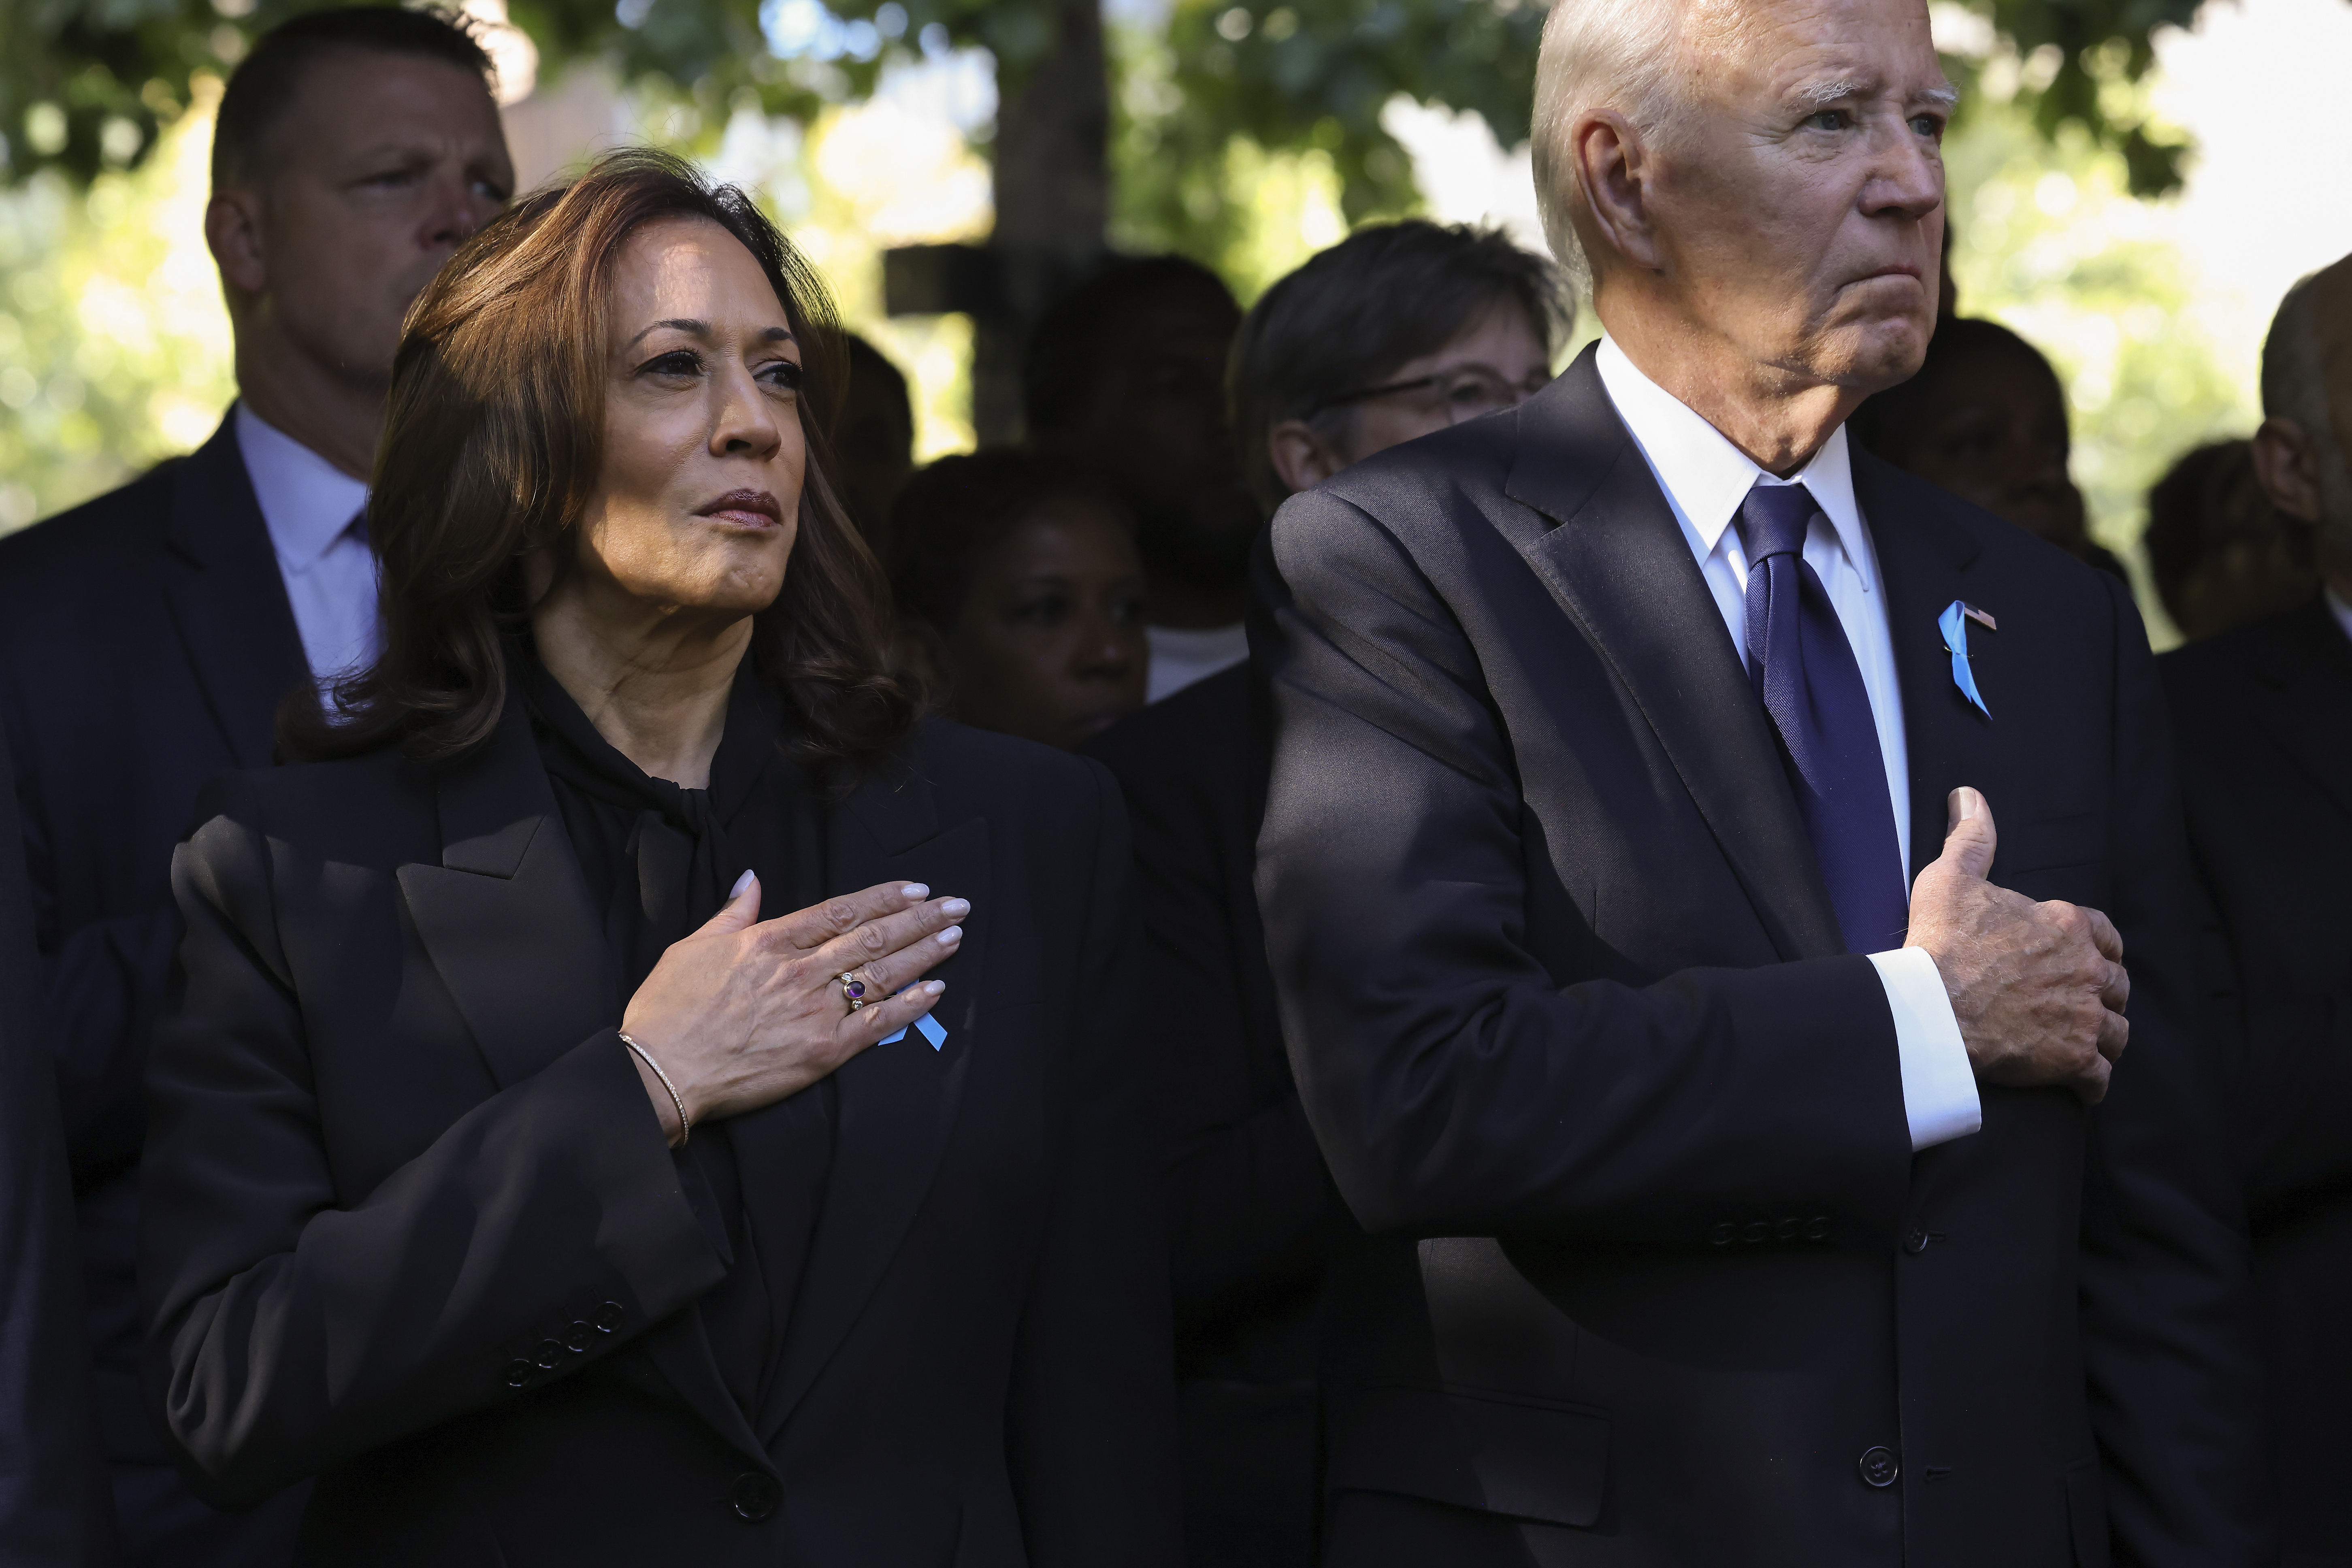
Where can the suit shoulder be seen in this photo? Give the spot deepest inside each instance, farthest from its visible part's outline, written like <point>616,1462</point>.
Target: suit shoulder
<point>2214,670</point>
<point>95,531</point>
<point>1179,734</point>
<point>993,773</point>
<point>316,806</point>
<point>1462,462</point>
<point>2017,555</point>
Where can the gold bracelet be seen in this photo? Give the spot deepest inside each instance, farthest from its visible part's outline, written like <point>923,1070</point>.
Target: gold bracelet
<point>685,1127</point>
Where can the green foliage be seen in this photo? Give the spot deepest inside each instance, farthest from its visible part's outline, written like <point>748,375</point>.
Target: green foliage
<point>2095,46</point>
<point>1315,74</point>
<point>114,346</point>
<point>87,85</point>
<point>2049,241</point>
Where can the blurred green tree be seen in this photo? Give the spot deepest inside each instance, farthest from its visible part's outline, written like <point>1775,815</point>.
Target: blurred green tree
<point>87,85</point>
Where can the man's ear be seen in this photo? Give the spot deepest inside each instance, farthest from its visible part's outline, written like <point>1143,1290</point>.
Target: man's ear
<point>1615,169</point>
<point>1301,456</point>
<point>233,230</point>
<point>2287,465</point>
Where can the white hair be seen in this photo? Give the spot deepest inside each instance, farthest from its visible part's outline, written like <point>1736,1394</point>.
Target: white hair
<point>1597,54</point>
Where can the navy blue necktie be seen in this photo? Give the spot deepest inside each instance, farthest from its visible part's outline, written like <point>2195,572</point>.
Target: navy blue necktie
<point>1804,669</point>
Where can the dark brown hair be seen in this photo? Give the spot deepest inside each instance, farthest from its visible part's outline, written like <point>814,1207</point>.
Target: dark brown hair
<point>1349,316</point>
<point>266,83</point>
<point>492,443</point>
<point>953,512</point>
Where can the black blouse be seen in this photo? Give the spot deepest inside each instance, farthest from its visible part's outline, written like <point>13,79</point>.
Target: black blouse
<point>659,861</point>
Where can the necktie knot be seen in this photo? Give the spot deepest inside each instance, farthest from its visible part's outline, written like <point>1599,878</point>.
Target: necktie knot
<point>1772,521</point>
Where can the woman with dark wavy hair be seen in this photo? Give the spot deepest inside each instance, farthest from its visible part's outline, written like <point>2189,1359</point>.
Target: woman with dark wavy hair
<point>585,1137</point>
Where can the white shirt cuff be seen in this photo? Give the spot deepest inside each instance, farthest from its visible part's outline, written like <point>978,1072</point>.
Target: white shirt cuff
<point>1939,1087</point>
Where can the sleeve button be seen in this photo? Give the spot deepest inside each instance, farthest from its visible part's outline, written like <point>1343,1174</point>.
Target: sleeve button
<point>517,1373</point>
<point>577,1338</point>
<point>610,1317</point>
<point>550,1355</point>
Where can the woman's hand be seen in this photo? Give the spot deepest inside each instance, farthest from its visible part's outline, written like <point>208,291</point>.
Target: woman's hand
<point>745,1012</point>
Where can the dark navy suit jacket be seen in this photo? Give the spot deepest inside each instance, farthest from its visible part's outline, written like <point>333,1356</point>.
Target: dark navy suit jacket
<point>1660,1278</point>
<point>2265,720</point>
<point>53,1493</point>
<point>146,643</point>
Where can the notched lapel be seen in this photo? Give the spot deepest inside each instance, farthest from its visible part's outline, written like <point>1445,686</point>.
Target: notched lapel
<point>227,598</point>
<point>1620,566</point>
<point>506,916</point>
<point>897,1102</point>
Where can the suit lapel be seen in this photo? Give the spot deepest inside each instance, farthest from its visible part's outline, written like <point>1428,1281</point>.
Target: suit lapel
<point>1925,560</point>
<point>228,599</point>
<point>507,920</point>
<point>506,915</point>
<point>1620,566</point>
<point>896,1101</point>
<point>2304,697</point>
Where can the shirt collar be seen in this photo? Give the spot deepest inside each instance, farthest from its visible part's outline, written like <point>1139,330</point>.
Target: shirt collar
<point>307,502</point>
<point>1706,477</point>
<point>2339,609</point>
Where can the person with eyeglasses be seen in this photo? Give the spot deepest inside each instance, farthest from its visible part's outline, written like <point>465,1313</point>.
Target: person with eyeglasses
<point>1399,331</point>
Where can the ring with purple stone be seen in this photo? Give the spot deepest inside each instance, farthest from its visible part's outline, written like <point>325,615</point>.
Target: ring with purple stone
<point>855,990</point>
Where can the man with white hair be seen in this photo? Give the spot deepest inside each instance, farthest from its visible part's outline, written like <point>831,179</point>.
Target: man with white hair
<point>2263,721</point>
<point>1734,1128</point>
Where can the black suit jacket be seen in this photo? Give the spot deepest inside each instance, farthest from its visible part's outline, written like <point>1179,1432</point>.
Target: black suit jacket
<point>1570,1010</point>
<point>146,643</point>
<point>53,1493</point>
<point>2263,718</point>
<point>411,1223</point>
<point>1252,1213</point>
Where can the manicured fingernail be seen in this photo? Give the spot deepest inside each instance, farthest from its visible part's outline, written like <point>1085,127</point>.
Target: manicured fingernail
<point>933,987</point>
<point>914,892</point>
<point>950,936</point>
<point>741,882</point>
<point>956,909</point>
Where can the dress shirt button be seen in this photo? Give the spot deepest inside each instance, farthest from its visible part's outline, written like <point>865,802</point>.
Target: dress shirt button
<point>1917,1242</point>
<point>550,1355</point>
<point>757,1495</point>
<point>1878,1467</point>
<point>577,1338</point>
<point>1724,1235</point>
<point>517,1373</point>
<point>610,1317</point>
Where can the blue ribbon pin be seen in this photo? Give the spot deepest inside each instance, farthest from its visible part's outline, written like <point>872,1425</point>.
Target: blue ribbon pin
<point>1954,623</point>
<point>930,1028</point>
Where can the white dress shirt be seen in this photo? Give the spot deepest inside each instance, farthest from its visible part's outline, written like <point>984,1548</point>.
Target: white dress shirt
<point>2340,610</point>
<point>1705,478</point>
<point>310,508</point>
<point>1181,657</point>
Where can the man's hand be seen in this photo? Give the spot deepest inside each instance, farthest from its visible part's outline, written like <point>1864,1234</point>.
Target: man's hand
<point>2039,989</point>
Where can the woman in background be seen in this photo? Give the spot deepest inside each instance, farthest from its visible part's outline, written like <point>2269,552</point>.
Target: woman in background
<point>1021,574</point>
<point>1986,419</point>
<point>566,1149</point>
